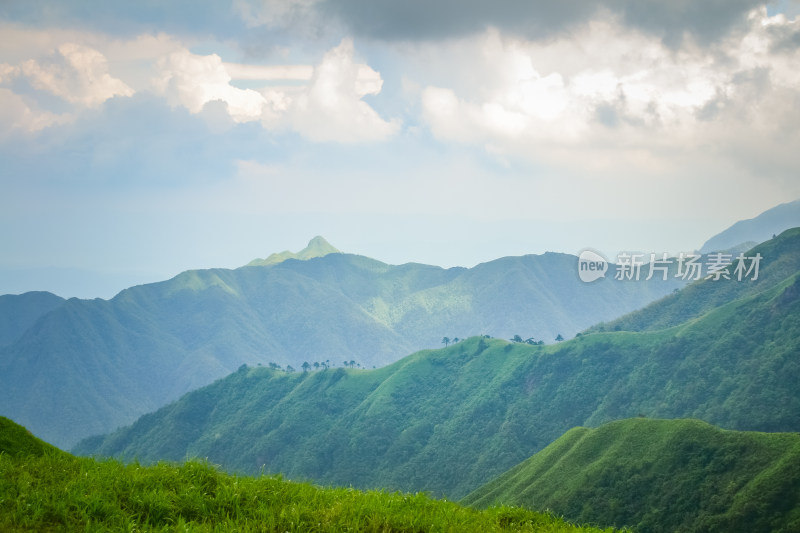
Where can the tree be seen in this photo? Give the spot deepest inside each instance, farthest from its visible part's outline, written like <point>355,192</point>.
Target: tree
<point>455,341</point>
<point>306,367</point>
<point>559,338</point>
<point>316,365</point>
<point>446,341</point>
<point>289,368</point>
<point>530,341</point>
<point>353,364</point>
<point>516,338</point>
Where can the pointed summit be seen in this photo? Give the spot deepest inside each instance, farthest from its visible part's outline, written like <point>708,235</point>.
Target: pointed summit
<point>317,247</point>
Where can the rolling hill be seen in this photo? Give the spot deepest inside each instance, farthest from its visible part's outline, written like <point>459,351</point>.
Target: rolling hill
<point>660,475</point>
<point>449,420</point>
<point>90,366</point>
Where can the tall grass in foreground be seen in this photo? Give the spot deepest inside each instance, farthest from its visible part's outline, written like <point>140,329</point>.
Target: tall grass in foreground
<point>59,492</point>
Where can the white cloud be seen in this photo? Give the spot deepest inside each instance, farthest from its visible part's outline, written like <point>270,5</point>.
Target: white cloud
<point>323,102</point>
<point>332,109</point>
<point>326,106</point>
<point>16,114</point>
<point>193,80</point>
<point>608,90</point>
<point>269,72</point>
<point>79,75</point>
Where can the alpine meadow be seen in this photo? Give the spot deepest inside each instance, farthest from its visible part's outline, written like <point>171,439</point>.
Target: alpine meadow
<point>400,266</point>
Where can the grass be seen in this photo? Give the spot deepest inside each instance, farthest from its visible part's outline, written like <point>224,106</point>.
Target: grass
<point>45,489</point>
<point>660,475</point>
<point>58,492</point>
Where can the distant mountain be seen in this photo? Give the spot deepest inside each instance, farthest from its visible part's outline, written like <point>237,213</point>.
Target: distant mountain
<point>660,475</point>
<point>449,420</point>
<point>317,247</point>
<point>755,230</point>
<point>90,366</point>
<point>18,312</point>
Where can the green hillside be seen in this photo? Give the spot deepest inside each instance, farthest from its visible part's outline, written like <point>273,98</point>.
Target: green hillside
<point>19,443</point>
<point>449,420</point>
<point>781,259</point>
<point>90,366</point>
<point>44,489</point>
<point>660,475</point>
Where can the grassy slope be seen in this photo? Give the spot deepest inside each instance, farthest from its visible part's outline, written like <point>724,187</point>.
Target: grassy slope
<point>660,475</point>
<point>17,442</point>
<point>449,420</point>
<point>44,489</point>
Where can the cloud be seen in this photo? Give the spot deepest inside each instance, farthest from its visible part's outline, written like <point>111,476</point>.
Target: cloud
<point>193,80</point>
<point>332,109</point>
<point>17,115</point>
<point>605,90</point>
<point>534,20</point>
<point>326,106</point>
<point>79,75</point>
<point>274,13</point>
<point>128,19</point>
<point>74,73</point>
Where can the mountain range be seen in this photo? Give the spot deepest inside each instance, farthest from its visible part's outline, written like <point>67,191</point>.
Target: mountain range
<point>745,234</point>
<point>449,420</point>
<point>74,368</point>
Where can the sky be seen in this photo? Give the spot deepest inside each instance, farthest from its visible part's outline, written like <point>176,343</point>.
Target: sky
<point>141,139</point>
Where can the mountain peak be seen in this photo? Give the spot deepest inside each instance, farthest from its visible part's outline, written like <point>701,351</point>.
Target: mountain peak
<point>317,247</point>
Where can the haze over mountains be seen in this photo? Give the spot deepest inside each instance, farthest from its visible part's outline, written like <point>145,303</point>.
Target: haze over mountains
<point>747,233</point>
<point>449,420</point>
<point>89,366</point>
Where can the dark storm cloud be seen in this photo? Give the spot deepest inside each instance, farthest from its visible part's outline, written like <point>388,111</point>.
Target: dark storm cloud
<point>431,20</point>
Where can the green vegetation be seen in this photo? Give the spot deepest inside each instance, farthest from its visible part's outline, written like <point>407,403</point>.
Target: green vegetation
<point>449,420</point>
<point>43,489</point>
<point>660,475</point>
<point>781,260</point>
<point>88,367</point>
<point>17,442</point>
